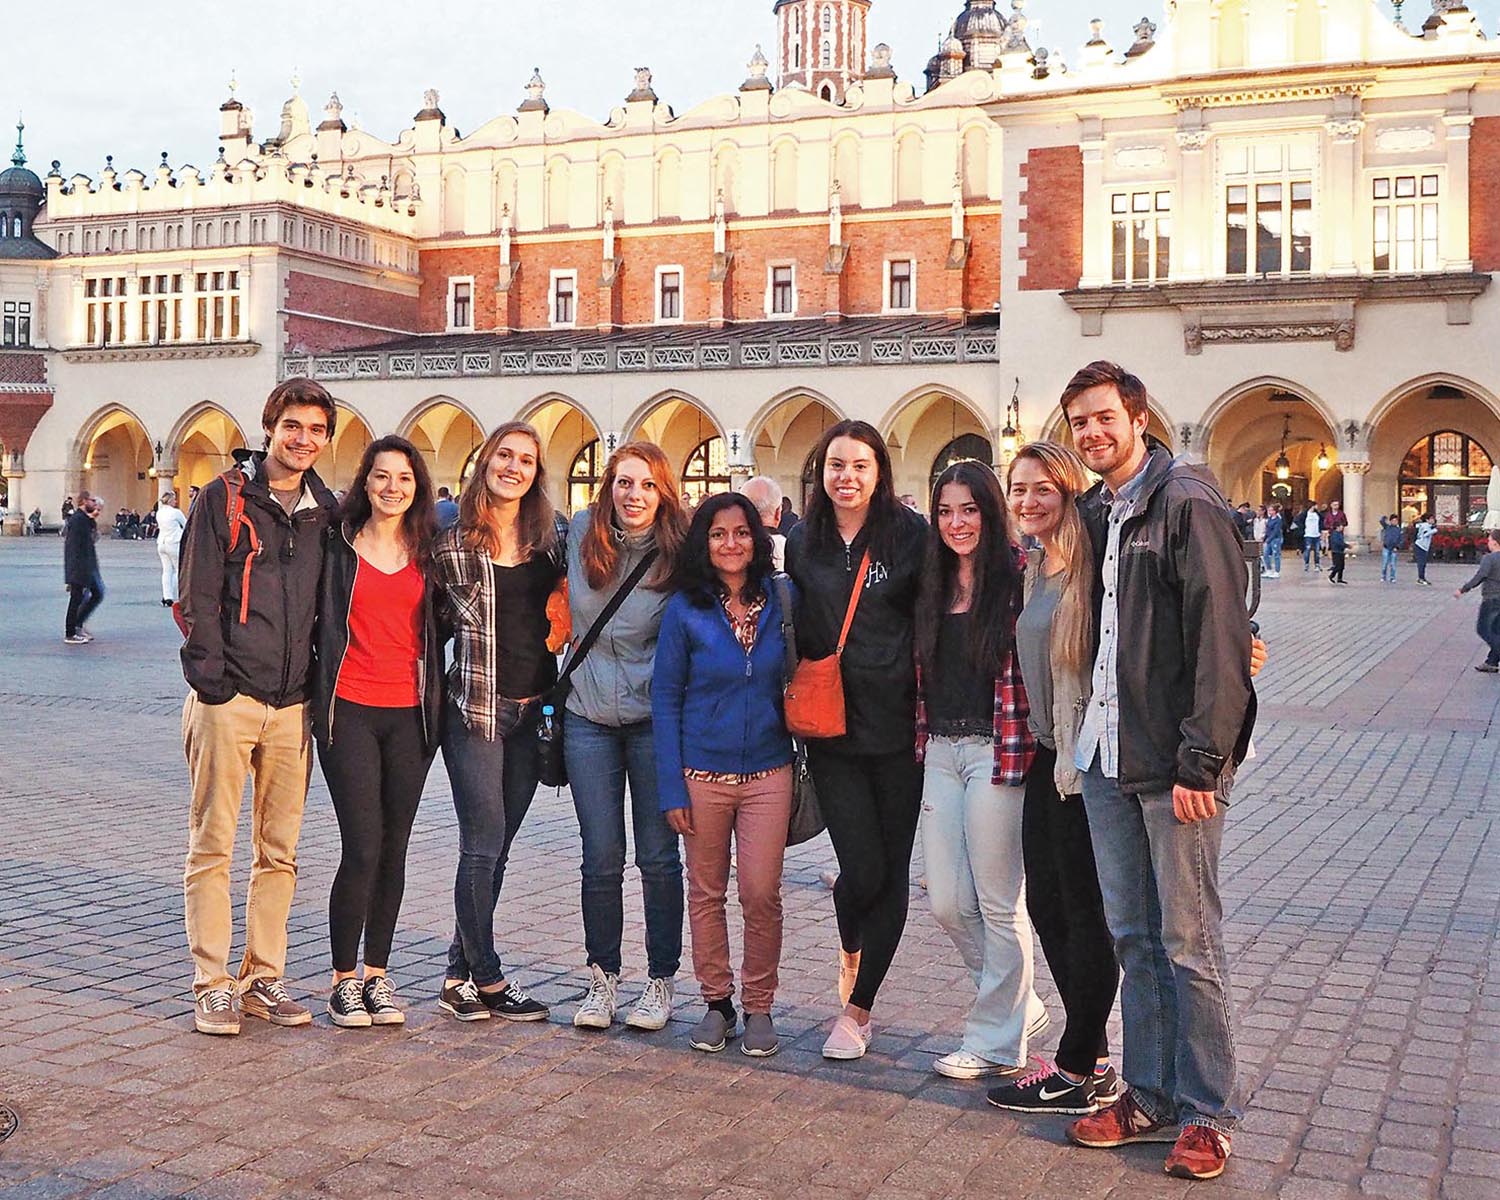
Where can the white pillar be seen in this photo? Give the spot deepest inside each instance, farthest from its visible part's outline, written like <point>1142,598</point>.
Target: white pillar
<point>1354,500</point>
<point>1192,224</point>
<point>1343,178</point>
<point>1454,211</point>
<point>15,503</point>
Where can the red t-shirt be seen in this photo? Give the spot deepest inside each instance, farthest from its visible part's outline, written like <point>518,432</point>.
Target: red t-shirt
<point>385,638</point>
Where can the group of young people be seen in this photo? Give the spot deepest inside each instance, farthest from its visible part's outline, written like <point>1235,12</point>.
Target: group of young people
<point>1065,778</point>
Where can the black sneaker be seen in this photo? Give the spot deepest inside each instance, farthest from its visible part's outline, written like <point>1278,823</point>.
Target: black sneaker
<point>380,1002</point>
<point>1046,1090</point>
<point>1487,668</point>
<point>1107,1086</point>
<point>514,1004</point>
<point>461,1000</point>
<point>346,1006</point>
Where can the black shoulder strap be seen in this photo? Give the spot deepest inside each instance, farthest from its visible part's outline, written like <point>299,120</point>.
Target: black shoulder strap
<point>780,581</point>
<point>604,618</point>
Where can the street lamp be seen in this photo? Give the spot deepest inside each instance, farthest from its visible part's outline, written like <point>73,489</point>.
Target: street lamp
<point>1322,457</point>
<point>1284,464</point>
<point>1010,436</point>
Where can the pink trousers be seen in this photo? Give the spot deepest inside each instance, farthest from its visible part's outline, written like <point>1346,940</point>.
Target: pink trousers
<point>756,814</point>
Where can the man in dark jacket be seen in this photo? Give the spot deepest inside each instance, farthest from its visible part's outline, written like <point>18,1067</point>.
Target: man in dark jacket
<point>81,569</point>
<point>252,553</point>
<point>1168,721</point>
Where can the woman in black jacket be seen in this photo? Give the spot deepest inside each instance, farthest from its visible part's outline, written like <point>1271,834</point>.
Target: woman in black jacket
<point>375,717</point>
<point>869,781</point>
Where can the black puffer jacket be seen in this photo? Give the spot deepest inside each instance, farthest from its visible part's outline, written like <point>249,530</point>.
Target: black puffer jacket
<point>879,671</point>
<point>80,554</point>
<point>335,594</point>
<point>1187,707</point>
<point>268,656</point>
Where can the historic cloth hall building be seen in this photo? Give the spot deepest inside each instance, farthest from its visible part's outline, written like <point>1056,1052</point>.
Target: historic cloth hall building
<point>1284,215</point>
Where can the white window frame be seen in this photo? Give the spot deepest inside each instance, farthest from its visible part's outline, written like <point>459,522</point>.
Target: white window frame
<point>454,282</point>
<point>1153,214</point>
<point>1417,203</point>
<point>889,305</point>
<point>552,320</point>
<point>1291,144</point>
<point>17,316</point>
<point>771,269</point>
<point>669,269</point>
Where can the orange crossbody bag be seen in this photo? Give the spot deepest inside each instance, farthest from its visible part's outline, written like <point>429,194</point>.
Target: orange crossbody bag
<point>815,694</point>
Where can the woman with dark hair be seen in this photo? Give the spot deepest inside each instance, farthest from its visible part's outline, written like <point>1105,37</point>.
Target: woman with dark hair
<point>379,696</point>
<point>636,518</point>
<point>975,747</point>
<point>858,537</point>
<point>723,758</point>
<point>499,568</point>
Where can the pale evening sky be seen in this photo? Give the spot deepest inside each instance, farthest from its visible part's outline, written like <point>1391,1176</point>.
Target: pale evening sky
<point>93,78</point>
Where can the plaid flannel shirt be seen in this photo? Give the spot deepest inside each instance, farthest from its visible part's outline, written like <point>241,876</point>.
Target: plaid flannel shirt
<point>467,584</point>
<point>1015,746</point>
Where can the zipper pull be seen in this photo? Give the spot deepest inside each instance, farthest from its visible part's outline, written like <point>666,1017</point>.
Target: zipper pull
<point>748,671</point>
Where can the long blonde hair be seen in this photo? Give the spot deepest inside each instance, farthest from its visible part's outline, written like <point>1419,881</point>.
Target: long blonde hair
<point>1073,626</point>
<point>477,523</point>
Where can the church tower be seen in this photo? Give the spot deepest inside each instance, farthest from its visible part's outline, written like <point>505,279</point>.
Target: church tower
<point>822,45</point>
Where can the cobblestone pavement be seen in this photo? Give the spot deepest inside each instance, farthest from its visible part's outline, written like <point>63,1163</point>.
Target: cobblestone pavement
<point>1362,877</point>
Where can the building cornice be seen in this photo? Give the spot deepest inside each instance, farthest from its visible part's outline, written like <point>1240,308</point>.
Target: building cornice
<point>165,353</point>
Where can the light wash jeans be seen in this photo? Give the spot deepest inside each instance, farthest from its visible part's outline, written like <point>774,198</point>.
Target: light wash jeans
<point>1387,565</point>
<point>971,840</point>
<point>1272,554</point>
<point>1175,1005</point>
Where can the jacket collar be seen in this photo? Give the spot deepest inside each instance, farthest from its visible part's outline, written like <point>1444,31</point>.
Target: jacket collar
<point>252,467</point>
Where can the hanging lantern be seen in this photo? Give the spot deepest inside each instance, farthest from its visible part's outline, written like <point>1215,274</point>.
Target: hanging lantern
<point>1322,457</point>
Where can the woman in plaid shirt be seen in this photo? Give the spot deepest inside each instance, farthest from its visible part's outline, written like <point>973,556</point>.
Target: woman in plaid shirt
<point>973,741</point>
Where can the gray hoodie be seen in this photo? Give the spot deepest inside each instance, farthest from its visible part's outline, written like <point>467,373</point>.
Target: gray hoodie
<point>613,684</point>
<point>1488,575</point>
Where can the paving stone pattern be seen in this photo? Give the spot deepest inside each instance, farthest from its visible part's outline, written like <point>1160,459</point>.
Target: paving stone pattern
<point>1361,878</point>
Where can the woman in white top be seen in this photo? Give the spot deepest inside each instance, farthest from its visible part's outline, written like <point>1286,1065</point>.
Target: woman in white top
<point>1258,525</point>
<point>170,522</point>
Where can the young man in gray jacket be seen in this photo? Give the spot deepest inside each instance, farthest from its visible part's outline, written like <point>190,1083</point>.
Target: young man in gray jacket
<point>1168,721</point>
<point>1487,578</point>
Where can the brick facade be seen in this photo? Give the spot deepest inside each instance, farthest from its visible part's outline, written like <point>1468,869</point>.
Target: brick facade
<point>376,312</point>
<point>1052,193</point>
<point>19,414</point>
<point>1484,193</point>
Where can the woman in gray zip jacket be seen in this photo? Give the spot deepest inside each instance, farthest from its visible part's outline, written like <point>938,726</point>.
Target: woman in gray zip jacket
<point>607,735</point>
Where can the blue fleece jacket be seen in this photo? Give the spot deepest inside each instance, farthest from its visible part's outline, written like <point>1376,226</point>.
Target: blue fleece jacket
<point>714,707</point>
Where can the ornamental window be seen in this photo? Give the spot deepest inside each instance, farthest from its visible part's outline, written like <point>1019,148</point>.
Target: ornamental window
<point>15,326</point>
<point>1404,224</point>
<point>669,294</point>
<point>1140,236</point>
<point>160,308</point>
<point>564,298</point>
<point>1268,208</point>
<point>216,316</point>
<point>104,310</point>
<point>901,285</point>
<point>461,303</point>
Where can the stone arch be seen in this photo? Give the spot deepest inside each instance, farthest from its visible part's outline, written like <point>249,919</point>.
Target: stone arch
<point>112,457</point>
<point>908,172</point>
<point>784,163</point>
<point>785,432</point>
<point>1438,402</point>
<point>566,428</point>
<point>340,461</point>
<point>202,444</point>
<point>1252,424</point>
<point>677,422</point>
<point>446,433</point>
<point>919,427</point>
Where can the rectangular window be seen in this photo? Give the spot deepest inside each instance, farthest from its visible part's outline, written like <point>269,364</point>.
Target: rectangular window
<point>902,295</point>
<point>105,299</point>
<point>564,299</point>
<point>783,290</point>
<point>15,328</point>
<point>1268,228</point>
<point>460,304</point>
<point>216,313</point>
<point>1140,236</point>
<point>669,306</point>
<point>1404,223</point>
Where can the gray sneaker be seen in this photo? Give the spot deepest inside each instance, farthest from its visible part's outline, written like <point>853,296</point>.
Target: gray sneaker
<point>268,1000</point>
<point>213,1013</point>
<point>598,1008</point>
<point>759,1039</point>
<point>712,1033</point>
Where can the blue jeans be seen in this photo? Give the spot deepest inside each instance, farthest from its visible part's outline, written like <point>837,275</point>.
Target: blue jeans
<point>600,758</point>
<point>1273,555</point>
<point>1312,552</point>
<point>493,785</point>
<point>1387,565</point>
<point>1160,881</point>
<point>1489,629</point>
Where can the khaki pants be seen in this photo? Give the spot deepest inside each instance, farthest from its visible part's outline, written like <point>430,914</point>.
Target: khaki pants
<point>224,743</point>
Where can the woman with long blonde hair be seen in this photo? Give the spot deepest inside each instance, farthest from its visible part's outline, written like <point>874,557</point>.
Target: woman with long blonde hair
<point>499,568</point>
<point>630,537</point>
<point>1055,643</point>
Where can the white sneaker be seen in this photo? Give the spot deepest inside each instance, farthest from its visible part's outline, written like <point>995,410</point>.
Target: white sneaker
<point>654,1009</point>
<point>963,1065</point>
<point>598,1008</point>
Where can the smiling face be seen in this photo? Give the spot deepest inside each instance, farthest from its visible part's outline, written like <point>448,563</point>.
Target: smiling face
<point>731,545</point>
<point>850,473</point>
<point>635,495</point>
<point>959,522</point>
<point>298,437</point>
<point>512,467</point>
<point>391,484</point>
<point>1105,435</point>
<point>1035,501</point>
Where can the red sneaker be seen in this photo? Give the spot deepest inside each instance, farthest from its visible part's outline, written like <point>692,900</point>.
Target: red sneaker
<point>1200,1153</point>
<point>1121,1124</point>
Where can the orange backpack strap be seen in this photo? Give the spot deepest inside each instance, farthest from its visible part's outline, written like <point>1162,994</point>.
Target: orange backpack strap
<point>234,513</point>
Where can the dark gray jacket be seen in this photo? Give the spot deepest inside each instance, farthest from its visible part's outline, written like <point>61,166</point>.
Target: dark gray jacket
<point>80,555</point>
<point>1187,707</point>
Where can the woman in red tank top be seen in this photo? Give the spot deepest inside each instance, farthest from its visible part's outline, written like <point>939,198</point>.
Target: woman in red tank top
<point>376,717</point>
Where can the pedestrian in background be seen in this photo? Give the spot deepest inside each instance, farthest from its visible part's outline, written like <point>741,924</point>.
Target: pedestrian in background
<point>376,712</point>
<point>170,522</point>
<point>1312,539</point>
<point>447,509</point>
<point>1422,546</point>
<point>724,757</point>
<point>765,493</point>
<point>1487,577</point>
<point>1337,545</point>
<point>1390,546</point>
<point>1271,557</point>
<point>81,568</point>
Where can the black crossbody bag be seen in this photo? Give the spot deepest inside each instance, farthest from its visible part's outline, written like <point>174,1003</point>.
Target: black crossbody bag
<point>807,818</point>
<point>552,768</point>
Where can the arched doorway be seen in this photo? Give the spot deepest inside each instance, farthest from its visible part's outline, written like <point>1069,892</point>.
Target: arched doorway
<point>1445,473</point>
<point>447,437</point>
<point>1269,443</point>
<point>967,447</point>
<point>566,431</point>
<point>116,461</point>
<point>784,438</point>
<point>583,475</point>
<point>921,432</point>
<point>204,446</point>
<point>706,471</point>
<point>340,462</point>
<point>680,426</point>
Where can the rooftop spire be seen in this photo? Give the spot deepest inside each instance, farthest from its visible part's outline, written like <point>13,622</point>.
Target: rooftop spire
<point>18,159</point>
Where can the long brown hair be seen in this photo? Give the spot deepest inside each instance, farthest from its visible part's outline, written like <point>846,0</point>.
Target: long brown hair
<point>419,522</point>
<point>598,552</point>
<point>885,509</point>
<point>1073,625</point>
<point>477,520</point>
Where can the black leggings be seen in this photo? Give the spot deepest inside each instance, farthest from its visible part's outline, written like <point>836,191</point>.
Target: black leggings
<point>871,803</point>
<point>1067,912</point>
<point>375,768</point>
